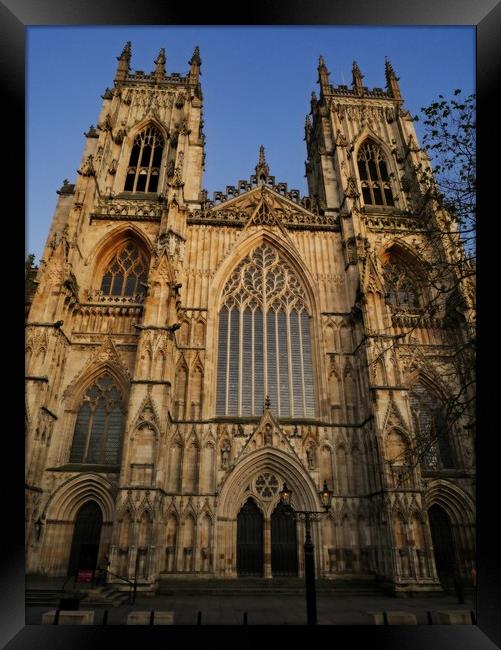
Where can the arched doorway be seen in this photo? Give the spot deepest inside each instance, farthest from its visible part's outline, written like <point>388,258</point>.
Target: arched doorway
<point>443,545</point>
<point>283,543</point>
<point>86,537</point>
<point>250,540</point>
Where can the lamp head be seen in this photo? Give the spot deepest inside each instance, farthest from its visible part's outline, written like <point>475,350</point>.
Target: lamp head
<point>285,495</point>
<point>326,497</point>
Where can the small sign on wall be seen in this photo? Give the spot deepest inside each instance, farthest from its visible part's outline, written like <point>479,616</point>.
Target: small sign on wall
<point>85,575</point>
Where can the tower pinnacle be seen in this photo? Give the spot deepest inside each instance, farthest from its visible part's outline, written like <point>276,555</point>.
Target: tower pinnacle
<point>160,65</point>
<point>357,79</point>
<point>391,79</point>
<point>123,63</point>
<point>262,169</point>
<point>195,63</point>
<point>323,76</point>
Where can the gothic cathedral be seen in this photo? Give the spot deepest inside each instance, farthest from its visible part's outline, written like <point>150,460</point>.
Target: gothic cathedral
<point>187,356</point>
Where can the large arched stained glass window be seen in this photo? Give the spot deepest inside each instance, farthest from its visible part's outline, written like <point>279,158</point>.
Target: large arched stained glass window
<point>98,430</point>
<point>264,343</point>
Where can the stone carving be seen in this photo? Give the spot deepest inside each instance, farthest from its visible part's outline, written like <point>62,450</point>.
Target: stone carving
<point>225,454</point>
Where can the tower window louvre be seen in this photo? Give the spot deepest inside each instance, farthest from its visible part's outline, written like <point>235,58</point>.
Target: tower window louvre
<point>373,173</point>
<point>144,163</point>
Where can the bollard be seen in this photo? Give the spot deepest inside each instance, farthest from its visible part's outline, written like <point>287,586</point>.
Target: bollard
<point>199,618</point>
<point>105,617</point>
<point>152,616</point>
<point>56,617</point>
<point>385,618</point>
<point>245,618</point>
<point>430,621</point>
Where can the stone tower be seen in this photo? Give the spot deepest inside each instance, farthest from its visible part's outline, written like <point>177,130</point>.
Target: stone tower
<point>188,356</point>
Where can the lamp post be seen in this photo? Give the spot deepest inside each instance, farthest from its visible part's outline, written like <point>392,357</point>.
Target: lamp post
<point>309,559</point>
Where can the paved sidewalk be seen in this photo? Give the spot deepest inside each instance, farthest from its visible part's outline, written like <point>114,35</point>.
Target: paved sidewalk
<point>270,609</point>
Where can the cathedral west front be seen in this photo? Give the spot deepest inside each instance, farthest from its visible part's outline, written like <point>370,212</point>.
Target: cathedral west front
<point>187,355</point>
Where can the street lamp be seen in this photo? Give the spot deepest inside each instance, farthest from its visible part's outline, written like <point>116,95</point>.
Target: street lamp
<point>309,559</point>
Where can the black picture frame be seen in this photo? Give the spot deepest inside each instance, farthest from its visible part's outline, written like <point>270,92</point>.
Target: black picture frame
<point>15,16</point>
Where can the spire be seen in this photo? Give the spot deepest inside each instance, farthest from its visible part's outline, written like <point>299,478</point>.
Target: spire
<point>123,63</point>
<point>323,76</point>
<point>262,169</point>
<point>357,79</point>
<point>391,79</point>
<point>160,65</point>
<point>195,63</point>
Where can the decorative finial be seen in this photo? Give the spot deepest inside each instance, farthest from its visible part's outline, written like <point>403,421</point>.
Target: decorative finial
<point>357,78</point>
<point>195,59</point>
<point>356,70</point>
<point>123,63</point>
<point>262,160</point>
<point>262,169</point>
<point>323,76</point>
<point>160,64</point>
<point>391,79</point>
<point>267,403</point>
<point>126,52</point>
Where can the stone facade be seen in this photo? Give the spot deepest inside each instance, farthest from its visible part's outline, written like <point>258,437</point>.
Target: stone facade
<point>185,463</point>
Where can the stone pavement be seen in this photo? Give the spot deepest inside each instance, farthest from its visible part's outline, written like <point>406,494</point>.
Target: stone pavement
<point>270,609</point>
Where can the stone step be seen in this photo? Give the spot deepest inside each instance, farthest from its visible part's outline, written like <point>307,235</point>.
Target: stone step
<point>99,596</point>
<point>293,586</point>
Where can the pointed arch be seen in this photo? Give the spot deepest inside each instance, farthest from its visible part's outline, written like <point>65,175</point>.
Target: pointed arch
<point>175,464</point>
<point>146,149</point>
<point>208,467</point>
<point>432,431</point>
<point>342,468</point>
<point>199,332</point>
<point>68,498</point>
<point>99,422</point>
<point>374,172</point>
<point>183,338</point>
<point>181,388</point>
<point>458,504</point>
<point>264,339</point>
<point>191,465</point>
<point>111,242</point>
<point>292,258</point>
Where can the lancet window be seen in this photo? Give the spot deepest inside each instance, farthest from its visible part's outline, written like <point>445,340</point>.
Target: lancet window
<point>264,346</point>
<point>374,178</point>
<point>144,164</point>
<point>126,273</point>
<point>98,430</point>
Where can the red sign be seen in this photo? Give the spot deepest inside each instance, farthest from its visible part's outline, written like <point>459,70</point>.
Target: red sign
<point>85,575</point>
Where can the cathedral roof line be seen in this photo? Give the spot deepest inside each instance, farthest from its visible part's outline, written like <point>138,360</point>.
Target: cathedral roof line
<point>261,178</point>
<point>124,73</point>
<point>392,91</point>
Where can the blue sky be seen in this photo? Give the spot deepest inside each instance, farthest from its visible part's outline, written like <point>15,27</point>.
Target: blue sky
<point>256,83</point>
